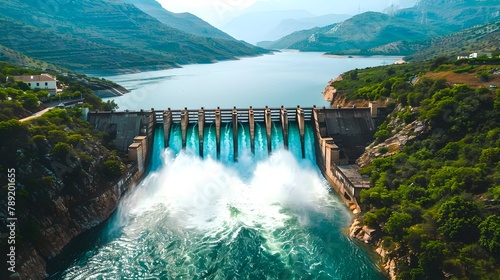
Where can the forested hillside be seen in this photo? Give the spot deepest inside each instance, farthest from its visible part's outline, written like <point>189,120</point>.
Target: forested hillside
<point>436,202</point>
<point>64,170</point>
<point>482,38</point>
<point>399,32</point>
<point>106,35</point>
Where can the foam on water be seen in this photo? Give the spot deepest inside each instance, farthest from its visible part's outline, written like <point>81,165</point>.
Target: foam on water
<point>261,218</point>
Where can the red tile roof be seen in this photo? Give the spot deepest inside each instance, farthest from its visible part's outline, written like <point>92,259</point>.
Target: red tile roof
<point>35,78</point>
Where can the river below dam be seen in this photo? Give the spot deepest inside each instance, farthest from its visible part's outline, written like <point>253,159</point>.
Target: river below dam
<point>263,217</point>
<point>267,216</point>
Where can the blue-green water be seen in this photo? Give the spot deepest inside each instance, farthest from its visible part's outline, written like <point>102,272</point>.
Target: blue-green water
<point>264,217</point>
<point>286,78</point>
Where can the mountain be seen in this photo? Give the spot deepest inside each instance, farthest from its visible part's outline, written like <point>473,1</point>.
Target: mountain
<point>394,33</point>
<point>360,32</point>
<point>17,58</point>
<point>291,25</point>
<point>186,22</point>
<point>106,35</point>
<point>482,38</point>
<point>254,26</point>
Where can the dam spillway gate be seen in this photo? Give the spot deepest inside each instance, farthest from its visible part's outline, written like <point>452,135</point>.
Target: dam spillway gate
<point>233,117</point>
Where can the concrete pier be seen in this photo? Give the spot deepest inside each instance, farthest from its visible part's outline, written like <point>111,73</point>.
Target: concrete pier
<point>217,131</point>
<point>201,129</point>
<point>269,128</point>
<point>184,126</point>
<point>167,126</point>
<point>301,123</point>
<point>251,124</point>
<point>235,134</point>
<point>284,126</point>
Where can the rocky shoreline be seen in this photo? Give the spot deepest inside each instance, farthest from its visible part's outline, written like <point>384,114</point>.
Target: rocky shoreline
<point>336,99</point>
<point>371,236</point>
<point>357,230</point>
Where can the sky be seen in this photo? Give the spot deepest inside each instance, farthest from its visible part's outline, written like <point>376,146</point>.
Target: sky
<point>219,12</point>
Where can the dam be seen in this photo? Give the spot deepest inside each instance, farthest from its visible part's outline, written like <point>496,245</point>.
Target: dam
<point>340,136</point>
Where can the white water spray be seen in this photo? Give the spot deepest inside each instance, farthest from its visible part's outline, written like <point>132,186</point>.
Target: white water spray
<point>203,218</point>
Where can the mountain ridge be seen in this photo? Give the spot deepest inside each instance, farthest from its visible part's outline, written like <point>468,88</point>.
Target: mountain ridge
<point>107,35</point>
<point>371,30</point>
<point>185,22</point>
<point>482,38</point>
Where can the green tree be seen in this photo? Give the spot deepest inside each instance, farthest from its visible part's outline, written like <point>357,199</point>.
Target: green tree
<point>439,61</point>
<point>397,225</point>
<point>490,156</point>
<point>3,94</point>
<point>109,105</point>
<point>42,95</point>
<point>354,74</point>
<point>459,219</point>
<point>477,264</point>
<point>30,101</point>
<point>431,258</point>
<point>21,85</point>
<point>112,169</point>
<point>490,234</point>
<point>382,135</point>
<point>57,136</point>
<point>75,139</point>
<point>370,219</point>
<point>484,76</point>
<point>61,150</point>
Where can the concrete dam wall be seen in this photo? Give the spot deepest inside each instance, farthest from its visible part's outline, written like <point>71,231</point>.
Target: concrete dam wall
<point>340,135</point>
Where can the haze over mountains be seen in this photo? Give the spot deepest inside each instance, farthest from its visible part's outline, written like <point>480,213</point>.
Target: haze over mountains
<point>392,33</point>
<point>112,35</point>
<point>272,25</point>
<point>186,22</point>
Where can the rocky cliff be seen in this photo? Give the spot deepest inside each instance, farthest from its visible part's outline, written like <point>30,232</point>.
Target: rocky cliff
<point>370,236</point>
<point>401,134</point>
<point>64,186</point>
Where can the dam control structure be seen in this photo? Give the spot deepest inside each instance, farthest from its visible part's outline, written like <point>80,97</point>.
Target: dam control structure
<point>340,135</point>
<point>235,116</point>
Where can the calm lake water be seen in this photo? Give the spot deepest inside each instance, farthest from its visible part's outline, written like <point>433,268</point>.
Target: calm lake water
<point>286,78</point>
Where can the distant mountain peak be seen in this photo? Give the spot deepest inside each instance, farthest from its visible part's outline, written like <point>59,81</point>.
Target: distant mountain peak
<point>185,22</point>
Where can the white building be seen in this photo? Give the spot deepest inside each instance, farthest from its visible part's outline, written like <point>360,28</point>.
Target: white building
<point>44,82</point>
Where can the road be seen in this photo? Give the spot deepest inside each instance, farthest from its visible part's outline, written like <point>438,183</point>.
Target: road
<point>36,115</point>
<point>52,104</point>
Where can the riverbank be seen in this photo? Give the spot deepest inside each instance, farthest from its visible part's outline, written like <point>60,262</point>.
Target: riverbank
<point>371,237</point>
<point>356,229</point>
<point>336,99</point>
<point>329,91</point>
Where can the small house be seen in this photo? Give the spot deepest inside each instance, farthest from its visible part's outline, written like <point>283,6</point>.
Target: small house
<point>43,82</point>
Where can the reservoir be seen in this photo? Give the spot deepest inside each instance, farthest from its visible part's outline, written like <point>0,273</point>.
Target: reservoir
<point>287,78</point>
